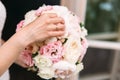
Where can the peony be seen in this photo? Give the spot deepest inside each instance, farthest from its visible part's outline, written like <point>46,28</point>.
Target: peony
<point>53,51</point>
<point>42,61</point>
<point>79,67</point>
<point>26,57</point>
<point>73,49</point>
<point>46,73</point>
<point>64,69</point>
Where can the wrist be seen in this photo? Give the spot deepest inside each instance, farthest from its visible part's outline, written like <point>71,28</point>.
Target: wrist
<point>24,36</point>
<point>20,40</point>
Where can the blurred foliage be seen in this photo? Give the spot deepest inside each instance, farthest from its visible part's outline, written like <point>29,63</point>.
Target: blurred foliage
<point>102,15</point>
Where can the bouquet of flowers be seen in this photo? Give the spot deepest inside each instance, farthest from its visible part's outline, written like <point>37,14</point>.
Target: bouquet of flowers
<point>58,56</point>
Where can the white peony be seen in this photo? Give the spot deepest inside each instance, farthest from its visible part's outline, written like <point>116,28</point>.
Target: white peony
<point>46,73</point>
<point>64,69</point>
<point>42,61</point>
<point>73,50</point>
<point>79,68</point>
<point>29,17</point>
<point>83,32</point>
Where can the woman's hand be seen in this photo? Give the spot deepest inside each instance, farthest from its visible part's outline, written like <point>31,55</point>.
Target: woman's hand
<point>46,26</point>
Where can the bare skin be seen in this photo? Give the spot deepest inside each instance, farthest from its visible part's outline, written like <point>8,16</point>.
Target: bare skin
<point>42,28</point>
<point>81,13</point>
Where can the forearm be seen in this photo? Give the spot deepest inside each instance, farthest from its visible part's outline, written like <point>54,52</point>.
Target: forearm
<point>9,51</point>
<point>42,28</point>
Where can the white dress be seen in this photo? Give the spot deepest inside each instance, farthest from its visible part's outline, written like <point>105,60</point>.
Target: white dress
<point>2,16</point>
<point>5,76</point>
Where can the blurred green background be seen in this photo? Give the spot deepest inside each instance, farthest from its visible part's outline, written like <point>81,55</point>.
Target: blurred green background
<point>102,16</point>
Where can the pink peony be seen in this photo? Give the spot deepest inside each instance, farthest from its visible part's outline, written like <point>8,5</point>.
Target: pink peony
<point>54,51</point>
<point>27,58</point>
<point>84,44</point>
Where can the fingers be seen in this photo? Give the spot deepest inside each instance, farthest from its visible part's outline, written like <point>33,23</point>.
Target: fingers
<point>56,33</point>
<point>55,23</point>
<point>46,26</point>
<point>55,20</point>
<point>56,27</point>
<point>60,27</point>
<point>52,18</point>
<point>49,18</point>
<point>51,15</point>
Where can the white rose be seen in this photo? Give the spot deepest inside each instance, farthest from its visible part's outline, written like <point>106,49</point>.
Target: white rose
<point>72,49</point>
<point>72,25</point>
<point>29,17</point>
<point>79,68</point>
<point>64,65</point>
<point>64,69</point>
<point>46,73</point>
<point>42,61</point>
<point>63,11</point>
<point>83,32</point>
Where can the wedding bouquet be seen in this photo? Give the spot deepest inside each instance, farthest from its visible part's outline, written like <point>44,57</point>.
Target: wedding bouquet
<point>57,56</point>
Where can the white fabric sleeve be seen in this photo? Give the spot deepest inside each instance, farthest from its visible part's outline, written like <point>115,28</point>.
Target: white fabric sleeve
<point>5,76</point>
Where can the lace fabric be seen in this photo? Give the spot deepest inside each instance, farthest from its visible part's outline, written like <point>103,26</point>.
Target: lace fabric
<point>5,76</point>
